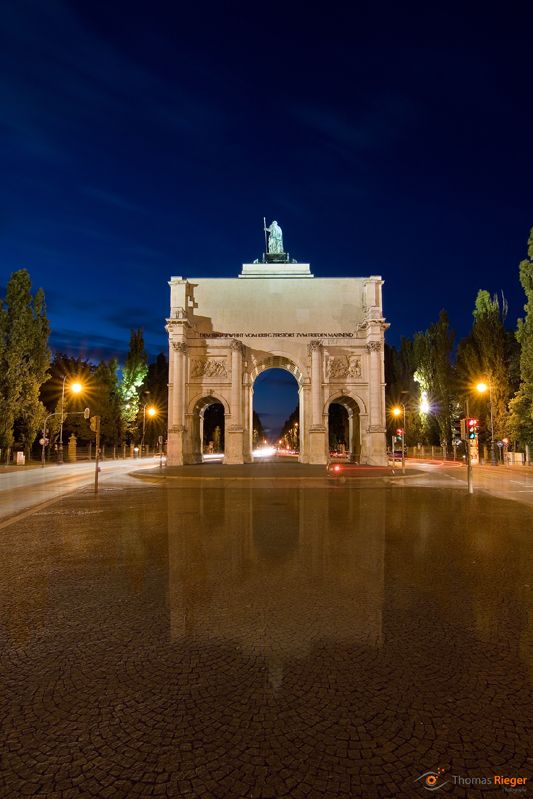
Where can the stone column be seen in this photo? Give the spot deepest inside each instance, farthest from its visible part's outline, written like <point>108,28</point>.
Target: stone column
<point>236,384</point>
<point>176,409</point>
<point>317,432</point>
<point>234,444</point>
<point>316,383</point>
<point>376,430</point>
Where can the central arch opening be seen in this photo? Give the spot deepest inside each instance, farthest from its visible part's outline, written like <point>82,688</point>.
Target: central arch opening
<point>276,414</point>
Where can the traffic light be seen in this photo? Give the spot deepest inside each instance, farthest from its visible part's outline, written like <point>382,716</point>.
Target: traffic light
<point>95,424</point>
<point>463,429</point>
<point>399,432</point>
<point>473,428</point>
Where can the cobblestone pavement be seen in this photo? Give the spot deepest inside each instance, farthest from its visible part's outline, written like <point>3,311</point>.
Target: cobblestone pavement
<point>304,640</point>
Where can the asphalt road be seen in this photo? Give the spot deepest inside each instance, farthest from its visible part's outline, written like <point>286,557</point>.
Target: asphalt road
<point>506,482</point>
<point>23,488</point>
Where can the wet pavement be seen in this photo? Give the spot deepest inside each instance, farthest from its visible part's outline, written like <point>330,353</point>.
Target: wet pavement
<point>252,639</point>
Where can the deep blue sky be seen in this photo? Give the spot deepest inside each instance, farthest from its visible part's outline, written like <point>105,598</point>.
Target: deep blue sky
<point>140,141</point>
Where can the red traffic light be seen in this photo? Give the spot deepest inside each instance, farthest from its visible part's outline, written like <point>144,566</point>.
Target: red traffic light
<point>399,432</point>
<point>473,428</point>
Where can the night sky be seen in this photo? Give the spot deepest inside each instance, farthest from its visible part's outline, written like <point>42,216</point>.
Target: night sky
<point>140,141</point>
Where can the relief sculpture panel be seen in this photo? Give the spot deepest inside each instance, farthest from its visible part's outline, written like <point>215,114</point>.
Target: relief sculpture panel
<point>208,367</point>
<point>343,367</point>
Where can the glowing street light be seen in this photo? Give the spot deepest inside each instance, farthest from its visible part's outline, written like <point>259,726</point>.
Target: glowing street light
<point>75,388</point>
<point>424,403</point>
<point>482,388</point>
<point>151,411</point>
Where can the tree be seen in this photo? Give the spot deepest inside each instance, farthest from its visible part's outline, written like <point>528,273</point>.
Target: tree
<point>485,355</point>
<point>435,376</point>
<point>155,391</point>
<point>521,406</point>
<point>107,402</point>
<point>290,432</point>
<point>25,359</point>
<point>133,374</point>
<point>73,370</point>
<point>401,387</point>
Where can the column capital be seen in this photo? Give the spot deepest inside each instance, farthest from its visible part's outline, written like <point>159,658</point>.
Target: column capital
<point>314,346</point>
<point>236,346</point>
<point>179,346</point>
<point>374,346</point>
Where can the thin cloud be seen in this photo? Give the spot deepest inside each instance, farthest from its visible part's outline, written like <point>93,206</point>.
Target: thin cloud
<point>112,198</point>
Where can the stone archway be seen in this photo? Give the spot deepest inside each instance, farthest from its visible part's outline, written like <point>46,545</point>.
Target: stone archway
<point>277,361</point>
<point>224,331</point>
<point>353,433</point>
<point>195,423</point>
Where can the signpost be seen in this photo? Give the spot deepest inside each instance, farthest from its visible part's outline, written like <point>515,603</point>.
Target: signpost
<point>95,427</point>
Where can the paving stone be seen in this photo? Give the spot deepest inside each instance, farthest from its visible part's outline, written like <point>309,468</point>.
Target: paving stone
<point>213,641</point>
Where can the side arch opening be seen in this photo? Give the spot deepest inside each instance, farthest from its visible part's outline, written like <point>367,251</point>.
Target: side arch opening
<point>344,429</point>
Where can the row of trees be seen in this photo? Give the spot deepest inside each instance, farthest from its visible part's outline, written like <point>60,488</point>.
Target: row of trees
<point>120,396</point>
<point>24,361</point>
<point>31,381</point>
<point>427,367</point>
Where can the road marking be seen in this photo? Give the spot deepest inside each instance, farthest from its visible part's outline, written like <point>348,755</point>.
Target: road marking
<point>29,511</point>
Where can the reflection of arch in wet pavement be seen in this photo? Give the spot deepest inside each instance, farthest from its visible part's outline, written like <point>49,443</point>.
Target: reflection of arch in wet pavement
<point>276,570</point>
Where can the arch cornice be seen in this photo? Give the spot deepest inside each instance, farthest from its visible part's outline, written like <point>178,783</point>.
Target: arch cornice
<point>342,397</point>
<point>278,361</point>
<point>202,400</point>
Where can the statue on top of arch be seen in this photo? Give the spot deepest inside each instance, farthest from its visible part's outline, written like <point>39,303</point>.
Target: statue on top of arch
<point>275,239</point>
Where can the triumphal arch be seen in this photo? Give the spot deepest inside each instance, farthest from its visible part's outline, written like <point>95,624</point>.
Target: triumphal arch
<point>328,332</point>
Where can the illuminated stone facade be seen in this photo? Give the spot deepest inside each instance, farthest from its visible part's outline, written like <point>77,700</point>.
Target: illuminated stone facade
<point>328,332</point>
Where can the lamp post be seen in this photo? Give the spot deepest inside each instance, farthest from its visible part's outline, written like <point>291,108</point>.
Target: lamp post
<point>396,412</point>
<point>482,388</point>
<point>76,389</point>
<point>151,412</point>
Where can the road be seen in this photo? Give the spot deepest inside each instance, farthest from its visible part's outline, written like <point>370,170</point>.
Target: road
<point>26,488</point>
<point>506,482</point>
<point>280,636</point>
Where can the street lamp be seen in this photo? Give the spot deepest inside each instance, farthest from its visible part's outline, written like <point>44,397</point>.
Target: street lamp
<point>76,388</point>
<point>151,412</point>
<point>482,388</point>
<point>396,412</point>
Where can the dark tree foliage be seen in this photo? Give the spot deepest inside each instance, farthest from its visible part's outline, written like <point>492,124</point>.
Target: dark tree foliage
<point>290,432</point>
<point>521,406</point>
<point>24,361</point>
<point>485,355</point>
<point>154,393</point>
